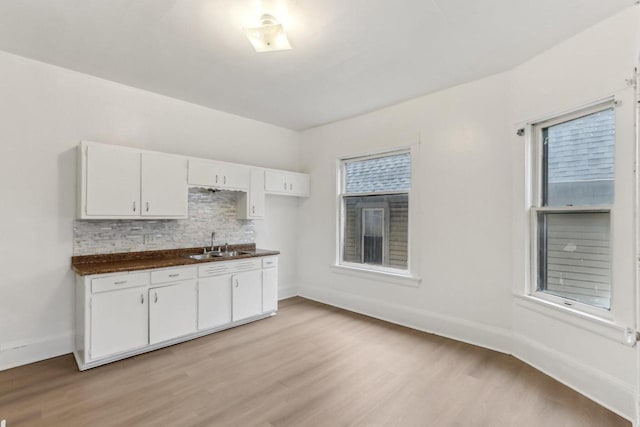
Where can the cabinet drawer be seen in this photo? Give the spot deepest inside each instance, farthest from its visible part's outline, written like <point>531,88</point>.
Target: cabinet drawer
<point>171,275</point>
<point>270,262</point>
<point>244,265</point>
<point>213,269</point>
<point>110,283</point>
<point>226,267</point>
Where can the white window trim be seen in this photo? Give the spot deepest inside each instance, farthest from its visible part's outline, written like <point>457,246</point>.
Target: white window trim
<point>410,276</point>
<point>390,275</point>
<point>534,137</point>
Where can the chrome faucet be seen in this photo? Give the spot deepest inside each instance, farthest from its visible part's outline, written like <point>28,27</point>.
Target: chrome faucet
<point>226,247</point>
<point>213,236</point>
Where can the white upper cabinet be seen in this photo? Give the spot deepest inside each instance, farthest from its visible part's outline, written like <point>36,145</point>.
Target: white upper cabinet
<point>125,183</point>
<point>298,183</point>
<point>116,182</point>
<point>251,204</point>
<point>164,185</point>
<point>111,178</point>
<point>286,183</point>
<point>212,174</point>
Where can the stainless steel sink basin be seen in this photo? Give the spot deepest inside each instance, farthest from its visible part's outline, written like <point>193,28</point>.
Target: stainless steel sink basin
<point>210,255</point>
<point>230,253</point>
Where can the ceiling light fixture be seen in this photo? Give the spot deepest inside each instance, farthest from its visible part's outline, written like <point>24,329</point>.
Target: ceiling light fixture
<point>269,36</point>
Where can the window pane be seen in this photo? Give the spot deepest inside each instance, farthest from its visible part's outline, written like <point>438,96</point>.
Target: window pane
<point>574,259</point>
<point>373,235</point>
<point>382,174</point>
<point>578,161</point>
<point>376,230</point>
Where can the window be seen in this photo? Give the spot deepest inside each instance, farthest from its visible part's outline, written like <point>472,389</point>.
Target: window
<point>374,218</point>
<point>573,207</point>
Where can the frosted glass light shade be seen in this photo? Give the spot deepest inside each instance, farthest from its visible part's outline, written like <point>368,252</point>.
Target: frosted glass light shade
<point>269,37</point>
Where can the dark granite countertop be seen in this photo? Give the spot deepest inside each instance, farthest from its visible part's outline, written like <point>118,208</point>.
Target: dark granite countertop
<point>131,261</point>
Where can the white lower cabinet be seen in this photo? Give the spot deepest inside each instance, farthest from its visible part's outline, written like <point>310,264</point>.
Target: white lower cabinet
<point>119,321</point>
<point>214,301</point>
<point>246,294</point>
<point>269,289</point>
<point>119,315</point>
<point>172,311</point>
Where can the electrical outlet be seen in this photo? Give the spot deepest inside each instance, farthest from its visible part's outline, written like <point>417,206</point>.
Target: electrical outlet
<point>152,238</point>
<point>3,423</point>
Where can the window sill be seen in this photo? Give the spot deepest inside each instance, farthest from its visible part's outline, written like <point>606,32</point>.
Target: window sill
<point>378,275</point>
<point>602,326</point>
<point>572,306</point>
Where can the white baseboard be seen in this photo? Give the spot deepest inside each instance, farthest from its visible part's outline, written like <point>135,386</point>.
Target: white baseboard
<point>606,390</point>
<point>482,335</point>
<point>288,292</point>
<point>36,350</point>
<point>598,386</point>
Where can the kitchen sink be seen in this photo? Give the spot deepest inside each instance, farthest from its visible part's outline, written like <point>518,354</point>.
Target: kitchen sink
<point>215,254</point>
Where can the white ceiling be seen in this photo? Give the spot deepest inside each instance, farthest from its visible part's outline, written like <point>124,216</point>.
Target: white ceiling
<point>348,57</point>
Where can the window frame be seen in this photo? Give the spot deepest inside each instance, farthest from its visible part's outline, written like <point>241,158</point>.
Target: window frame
<point>537,206</point>
<point>342,195</point>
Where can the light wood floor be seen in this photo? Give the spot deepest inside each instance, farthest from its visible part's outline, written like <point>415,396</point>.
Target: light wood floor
<point>311,365</point>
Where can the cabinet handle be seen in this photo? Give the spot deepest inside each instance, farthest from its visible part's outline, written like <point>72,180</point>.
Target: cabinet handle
<point>216,179</point>
<point>225,179</point>
<point>174,275</point>
<point>156,299</point>
<point>147,206</point>
<point>291,187</point>
<point>237,283</point>
<point>253,209</point>
<point>122,282</point>
<point>134,206</point>
<point>141,298</point>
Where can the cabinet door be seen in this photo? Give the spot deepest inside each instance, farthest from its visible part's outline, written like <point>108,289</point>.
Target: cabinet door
<point>270,289</point>
<point>275,182</point>
<point>164,185</point>
<point>298,184</point>
<point>256,194</point>
<point>218,174</point>
<point>119,321</point>
<point>172,311</point>
<point>214,301</point>
<point>235,176</point>
<point>289,183</point>
<point>247,294</point>
<point>201,172</point>
<point>113,181</point>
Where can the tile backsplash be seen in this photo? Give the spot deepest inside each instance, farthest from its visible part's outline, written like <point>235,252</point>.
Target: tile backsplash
<point>208,212</point>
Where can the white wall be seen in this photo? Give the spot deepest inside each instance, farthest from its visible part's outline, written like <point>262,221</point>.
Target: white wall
<point>45,111</point>
<point>462,225</point>
<point>585,354</point>
<point>471,220</point>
